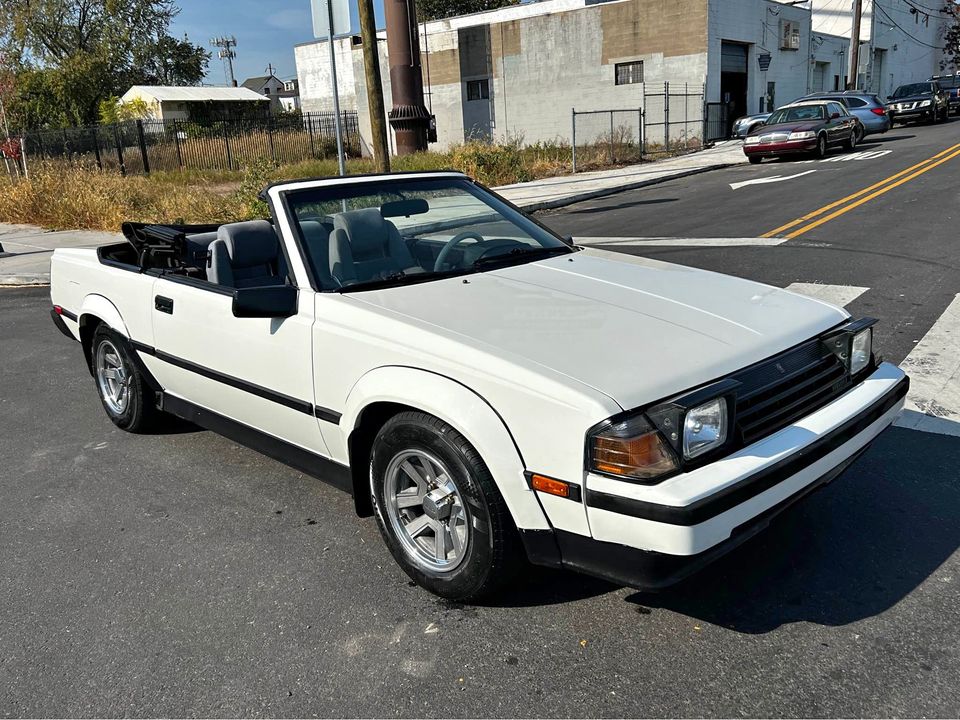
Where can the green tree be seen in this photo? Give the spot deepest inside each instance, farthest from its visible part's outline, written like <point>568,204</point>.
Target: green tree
<point>438,9</point>
<point>69,55</point>
<point>951,37</point>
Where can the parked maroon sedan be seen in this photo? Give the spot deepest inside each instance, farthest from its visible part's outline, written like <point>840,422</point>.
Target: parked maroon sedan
<point>807,127</point>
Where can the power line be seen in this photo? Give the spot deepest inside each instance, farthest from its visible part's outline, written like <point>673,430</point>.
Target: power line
<point>897,25</point>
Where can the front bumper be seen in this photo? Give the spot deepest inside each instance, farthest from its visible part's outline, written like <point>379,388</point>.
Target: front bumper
<point>903,116</point>
<point>780,148</point>
<point>652,536</point>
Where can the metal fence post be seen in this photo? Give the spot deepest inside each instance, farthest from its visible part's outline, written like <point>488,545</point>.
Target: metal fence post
<point>96,146</point>
<point>176,142</point>
<point>640,132</point>
<point>612,160</point>
<point>666,116</point>
<point>143,147</point>
<point>23,158</point>
<point>313,149</point>
<point>273,154</point>
<point>226,143</point>
<point>573,137</point>
<point>119,142</point>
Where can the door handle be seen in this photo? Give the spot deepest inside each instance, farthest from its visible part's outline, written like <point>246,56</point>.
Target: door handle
<point>163,304</point>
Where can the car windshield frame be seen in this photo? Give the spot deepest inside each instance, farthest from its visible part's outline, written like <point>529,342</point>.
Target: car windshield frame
<point>928,90</point>
<point>780,116</point>
<point>543,241</point>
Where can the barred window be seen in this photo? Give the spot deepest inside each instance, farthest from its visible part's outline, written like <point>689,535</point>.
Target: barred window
<point>628,73</point>
<point>478,90</point>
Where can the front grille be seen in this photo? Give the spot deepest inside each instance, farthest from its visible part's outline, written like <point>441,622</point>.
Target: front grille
<point>780,391</point>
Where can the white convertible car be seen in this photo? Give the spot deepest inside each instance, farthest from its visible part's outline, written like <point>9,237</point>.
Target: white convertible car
<point>490,392</point>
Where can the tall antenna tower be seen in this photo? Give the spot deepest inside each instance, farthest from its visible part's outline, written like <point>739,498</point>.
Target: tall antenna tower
<point>227,54</point>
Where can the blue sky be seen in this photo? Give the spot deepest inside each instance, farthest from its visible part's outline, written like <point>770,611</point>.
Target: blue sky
<point>266,31</point>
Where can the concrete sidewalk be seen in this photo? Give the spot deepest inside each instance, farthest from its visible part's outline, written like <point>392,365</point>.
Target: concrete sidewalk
<point>25,250</point>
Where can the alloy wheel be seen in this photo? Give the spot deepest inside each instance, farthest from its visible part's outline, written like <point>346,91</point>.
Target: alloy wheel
<point>426,511</point>
<point>113,377</point>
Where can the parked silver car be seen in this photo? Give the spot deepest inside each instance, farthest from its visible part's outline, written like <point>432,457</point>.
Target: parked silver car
<point>745,125</point>
<point>866,107</point>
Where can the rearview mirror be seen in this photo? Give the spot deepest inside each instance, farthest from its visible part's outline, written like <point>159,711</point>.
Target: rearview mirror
<point>270,301</point>
<point>404,208</point>
<point>835,116</point>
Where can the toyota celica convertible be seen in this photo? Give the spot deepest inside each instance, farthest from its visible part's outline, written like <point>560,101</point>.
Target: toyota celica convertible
<point>490,392</point>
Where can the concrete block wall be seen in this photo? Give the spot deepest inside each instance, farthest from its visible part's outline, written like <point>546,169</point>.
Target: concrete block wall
<point>313,73</point>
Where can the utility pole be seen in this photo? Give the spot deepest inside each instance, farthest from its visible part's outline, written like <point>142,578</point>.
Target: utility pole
<point>409,117</point>
<point>371,68</point>
<point>853,74</point>
<point>226,45</point>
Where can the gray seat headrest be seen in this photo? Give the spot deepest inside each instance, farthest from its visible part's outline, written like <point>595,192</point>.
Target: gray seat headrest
<point>366,230</point>
<point>250,243</point>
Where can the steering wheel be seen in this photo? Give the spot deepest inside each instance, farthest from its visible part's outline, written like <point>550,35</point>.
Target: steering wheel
<point>452,243</point>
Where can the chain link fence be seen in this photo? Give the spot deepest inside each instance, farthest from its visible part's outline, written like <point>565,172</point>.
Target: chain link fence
<point>671,119</point>
<point>142,146</point>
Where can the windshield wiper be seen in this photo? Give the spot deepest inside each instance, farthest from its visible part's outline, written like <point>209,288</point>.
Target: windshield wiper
<point>521,255</point>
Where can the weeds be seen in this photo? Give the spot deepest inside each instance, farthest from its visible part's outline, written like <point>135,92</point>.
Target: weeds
<point>68,196</point>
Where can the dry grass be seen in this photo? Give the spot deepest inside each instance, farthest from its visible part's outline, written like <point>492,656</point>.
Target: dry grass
<point>60,196</point>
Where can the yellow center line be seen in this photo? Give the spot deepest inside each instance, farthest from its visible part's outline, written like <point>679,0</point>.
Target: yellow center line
<point>859,193</point>
<point>861,201</point>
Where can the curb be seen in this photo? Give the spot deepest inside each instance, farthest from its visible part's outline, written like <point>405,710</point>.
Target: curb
<point>603,192</point>
<point>25,279</point>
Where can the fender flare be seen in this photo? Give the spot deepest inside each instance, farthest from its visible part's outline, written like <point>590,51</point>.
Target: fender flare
<point>106,311</point>
<point>463,409</point>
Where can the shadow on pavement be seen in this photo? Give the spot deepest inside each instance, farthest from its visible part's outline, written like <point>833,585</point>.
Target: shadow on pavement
<point>850,551</point>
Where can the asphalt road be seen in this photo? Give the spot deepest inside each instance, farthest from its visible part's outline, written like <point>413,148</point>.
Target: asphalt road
<point>178,574</point>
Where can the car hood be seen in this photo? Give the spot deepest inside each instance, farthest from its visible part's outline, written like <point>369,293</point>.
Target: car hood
<point>798,126</point>
<point>634,329</point>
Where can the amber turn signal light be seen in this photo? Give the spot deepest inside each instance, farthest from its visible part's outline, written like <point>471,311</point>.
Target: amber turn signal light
<point>550,486</point>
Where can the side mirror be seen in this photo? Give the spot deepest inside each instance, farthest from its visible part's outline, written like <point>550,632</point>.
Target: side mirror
<point>271,301</point>
<point>835,116</point>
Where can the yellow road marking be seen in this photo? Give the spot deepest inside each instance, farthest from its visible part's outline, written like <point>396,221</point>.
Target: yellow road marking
<point>859,193</point>
<point>861,201</point>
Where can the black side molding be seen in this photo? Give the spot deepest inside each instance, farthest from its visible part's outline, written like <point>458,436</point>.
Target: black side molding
<point>753,485</point>
<point>310,463</point>
<point>293,403</point>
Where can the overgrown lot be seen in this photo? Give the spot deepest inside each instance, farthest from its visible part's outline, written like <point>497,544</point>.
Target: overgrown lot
<point>72,196</point>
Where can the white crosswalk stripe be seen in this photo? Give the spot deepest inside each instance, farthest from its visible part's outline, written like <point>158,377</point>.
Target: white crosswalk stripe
<point>933,404</point>
<point>841,295</point>
<point>934,368</point>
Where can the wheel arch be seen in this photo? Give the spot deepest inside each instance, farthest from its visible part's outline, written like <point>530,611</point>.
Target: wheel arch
<point>95,310</point>
<point>382,393</point>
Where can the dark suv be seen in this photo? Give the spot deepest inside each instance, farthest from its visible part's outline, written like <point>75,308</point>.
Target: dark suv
<point>918,101</point>
<point>950,85</point>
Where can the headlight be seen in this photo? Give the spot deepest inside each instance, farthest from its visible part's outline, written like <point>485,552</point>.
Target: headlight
<point>806,135</point>
<point>752,140</point>
<point>631,449</point>
<point>860,350</point>
<point>924,103</point>
<point>705,428</point>
<point>853,344</point>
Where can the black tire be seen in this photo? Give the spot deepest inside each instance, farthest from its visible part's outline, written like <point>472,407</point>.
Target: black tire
<point>754,160</point>
<point>139,412</point>
<point>851,144</point>
<point>493,551</point>
<point>821,150</point>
